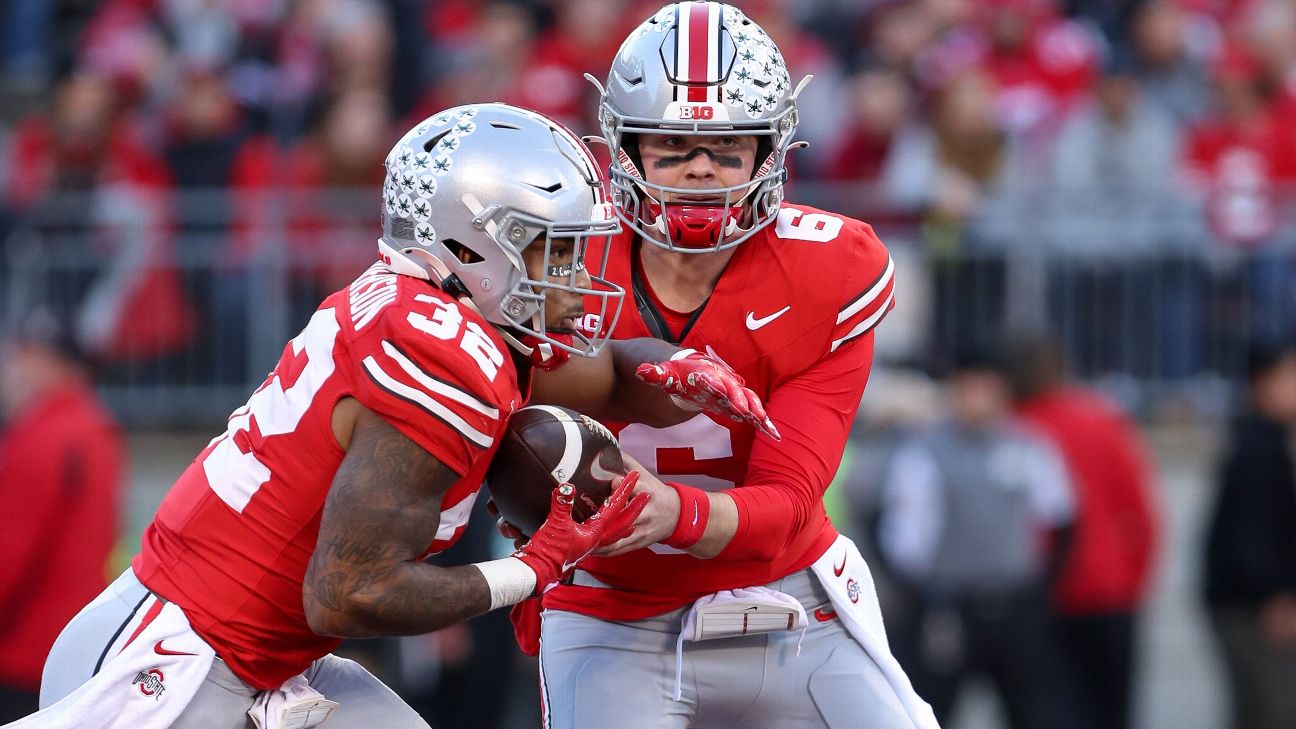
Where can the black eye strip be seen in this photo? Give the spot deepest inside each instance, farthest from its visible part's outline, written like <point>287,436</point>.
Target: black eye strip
<point>724,160</point>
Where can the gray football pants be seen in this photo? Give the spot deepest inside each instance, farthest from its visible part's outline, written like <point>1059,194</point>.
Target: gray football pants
<point>223,699</point>
<point>597,674</point>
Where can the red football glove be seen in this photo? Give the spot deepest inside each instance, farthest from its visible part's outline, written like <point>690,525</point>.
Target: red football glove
<point>560,543</point>
<point>525,617</point>
<point>711,384</point>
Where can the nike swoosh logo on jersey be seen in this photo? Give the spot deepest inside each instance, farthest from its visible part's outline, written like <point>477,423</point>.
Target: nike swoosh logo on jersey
<point>158,649</point>
<point>839,570</point>
<point>568,565</point>
<point>753,323</point>
<point>824,616</point>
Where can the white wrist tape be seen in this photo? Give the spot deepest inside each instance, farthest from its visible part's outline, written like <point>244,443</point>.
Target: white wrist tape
<point>510,580</point>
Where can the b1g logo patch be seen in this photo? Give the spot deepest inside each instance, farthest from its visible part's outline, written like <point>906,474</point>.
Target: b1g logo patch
<point>697,112</point>
<point>150,683</point>
<point>705,111</point>
<point>852,590</point>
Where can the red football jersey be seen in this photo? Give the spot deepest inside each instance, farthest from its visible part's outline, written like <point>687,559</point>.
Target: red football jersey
<point>232,539</point>
<point>793,314</point>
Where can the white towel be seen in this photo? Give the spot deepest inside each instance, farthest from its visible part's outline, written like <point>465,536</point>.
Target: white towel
<point>849,583</point>
<point>733,613</point>
<point>146,684</point>
<point>294,705</point>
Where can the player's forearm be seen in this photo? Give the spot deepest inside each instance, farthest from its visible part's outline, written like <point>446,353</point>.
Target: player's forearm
<point>720,528</point>
<point>631,400</point>
<point>410,599</point>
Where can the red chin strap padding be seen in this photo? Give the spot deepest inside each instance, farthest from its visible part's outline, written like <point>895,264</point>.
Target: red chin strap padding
<point>545,356</point>
<point>696,226</point>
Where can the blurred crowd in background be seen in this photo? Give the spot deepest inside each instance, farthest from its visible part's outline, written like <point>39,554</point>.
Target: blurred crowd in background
<point>1122,171</point>
<point>181,182</point>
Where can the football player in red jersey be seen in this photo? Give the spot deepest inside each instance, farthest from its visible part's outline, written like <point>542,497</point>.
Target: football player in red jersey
<point>306,520</point>
<point>735,584</point>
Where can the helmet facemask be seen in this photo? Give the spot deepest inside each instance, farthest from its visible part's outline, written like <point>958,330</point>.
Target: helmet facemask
<point>689,226</point>
<point>525,309</point>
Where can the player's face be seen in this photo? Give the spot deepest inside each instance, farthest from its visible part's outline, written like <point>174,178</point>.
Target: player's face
<point>697,161</point>
<point>563,309</point>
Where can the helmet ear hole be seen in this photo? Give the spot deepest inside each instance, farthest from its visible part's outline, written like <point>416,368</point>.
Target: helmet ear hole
<point>462,252</point>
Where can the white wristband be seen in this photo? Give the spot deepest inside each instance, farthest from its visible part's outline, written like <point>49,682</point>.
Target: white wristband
<point>510,580</point>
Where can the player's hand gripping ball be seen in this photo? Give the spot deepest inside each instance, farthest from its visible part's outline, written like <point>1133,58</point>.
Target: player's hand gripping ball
<point>542,447</point>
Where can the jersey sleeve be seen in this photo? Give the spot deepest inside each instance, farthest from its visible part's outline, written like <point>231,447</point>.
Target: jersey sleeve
<point>869,291</point>
<point>428,388</point>
<point>783,488</point>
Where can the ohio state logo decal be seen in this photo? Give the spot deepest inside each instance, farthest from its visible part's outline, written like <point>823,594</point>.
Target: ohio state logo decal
<point>852,590</point>
<point>150,683</point>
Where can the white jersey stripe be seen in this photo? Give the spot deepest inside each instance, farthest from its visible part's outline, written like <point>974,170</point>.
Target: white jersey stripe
<point>863,300</point>
<point>446,390</point>
<point>421,398</point>
<point>455,517</point>
<point>865,325</point>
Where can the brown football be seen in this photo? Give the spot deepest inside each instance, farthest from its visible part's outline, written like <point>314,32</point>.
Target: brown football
<point>544,446</point>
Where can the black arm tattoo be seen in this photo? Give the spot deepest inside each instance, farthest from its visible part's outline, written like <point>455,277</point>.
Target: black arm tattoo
<point>365,578</point>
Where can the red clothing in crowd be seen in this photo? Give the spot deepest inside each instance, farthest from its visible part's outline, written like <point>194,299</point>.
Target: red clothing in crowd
<point>61,470</point>
<point>150,313</point>
<point>316,208</point>
<point>1115,533</point>
<point>1243,167</point>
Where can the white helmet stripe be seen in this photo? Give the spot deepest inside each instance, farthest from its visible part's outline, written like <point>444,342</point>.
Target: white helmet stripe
<point>713,53</point>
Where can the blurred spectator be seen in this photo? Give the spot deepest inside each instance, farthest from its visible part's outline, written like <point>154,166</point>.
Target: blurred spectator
<point>583,38</point>
<point>961,174</point>
<point>899,32</point>
<point>61,482</point>
<point>484,61</point>
<point>1251,548</point>
<point>205,129</point>
<point>85,176</point>
<point>322,190</point>
<point>1041,62</point>
<point>1170,70</point>
<point>205,135</point>
<point>1269,29</point>
<point>1119,282</point>
<point>26,32</point>
<point>967,510</point>
<point>881,101</point>
<point>1114,170</point>
<point>1113,541</point>
<point>1241,163</point>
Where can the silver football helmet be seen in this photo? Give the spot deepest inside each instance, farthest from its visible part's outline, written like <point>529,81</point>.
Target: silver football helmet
<point>470,188</point>
<point>698,68</point>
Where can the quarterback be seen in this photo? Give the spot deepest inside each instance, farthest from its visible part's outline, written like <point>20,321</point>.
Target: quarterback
<point>735,602</point>
<point>306,520</point>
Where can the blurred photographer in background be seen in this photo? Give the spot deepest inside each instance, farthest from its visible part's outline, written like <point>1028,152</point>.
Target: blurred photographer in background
<point>61,484</point>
